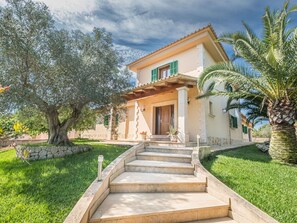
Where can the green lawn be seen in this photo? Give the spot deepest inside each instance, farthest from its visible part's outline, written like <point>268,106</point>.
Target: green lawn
<point>269,185</point>
<point>47,190</point>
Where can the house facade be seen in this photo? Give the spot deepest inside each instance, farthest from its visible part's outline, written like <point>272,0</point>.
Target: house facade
<point>165,95</point>
<point>247,128</point>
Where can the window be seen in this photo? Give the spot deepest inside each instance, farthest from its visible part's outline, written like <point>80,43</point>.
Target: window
<point>164,71</point>
<point>244,129</point>
<point>233,122</point>
<point>117,119</point>
<point>106,120</point>
<point>210,107</point>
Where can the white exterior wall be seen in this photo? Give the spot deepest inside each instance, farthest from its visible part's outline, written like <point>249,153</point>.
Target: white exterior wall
<point>218,130</point>
<point>213,129</point>
<point>196,115</point>
<point>187,64</point>
<point>100,132</point>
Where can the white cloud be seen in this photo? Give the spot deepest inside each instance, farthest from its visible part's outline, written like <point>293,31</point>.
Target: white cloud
<point>70,6</point>
<point>139,22</point>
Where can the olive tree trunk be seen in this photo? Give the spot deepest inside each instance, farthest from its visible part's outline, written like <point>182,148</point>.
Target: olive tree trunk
<point>57,130</point>
<point>283,144</point>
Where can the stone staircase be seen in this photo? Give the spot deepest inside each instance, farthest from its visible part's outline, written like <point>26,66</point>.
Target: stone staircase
<point>160,186</point>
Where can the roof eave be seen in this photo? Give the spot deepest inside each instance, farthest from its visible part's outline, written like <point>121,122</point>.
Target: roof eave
<point>207,28</point>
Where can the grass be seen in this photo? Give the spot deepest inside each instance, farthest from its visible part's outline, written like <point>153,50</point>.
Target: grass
<point>269,185</point>
<point>47,190</point>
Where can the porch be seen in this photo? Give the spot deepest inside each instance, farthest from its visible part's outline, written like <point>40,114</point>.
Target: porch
<point>161,104</point>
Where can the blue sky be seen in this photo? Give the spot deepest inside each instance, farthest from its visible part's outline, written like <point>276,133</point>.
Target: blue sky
<point>150,24</point>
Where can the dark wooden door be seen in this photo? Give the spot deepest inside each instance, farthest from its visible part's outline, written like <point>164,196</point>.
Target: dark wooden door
<point>164,118</point>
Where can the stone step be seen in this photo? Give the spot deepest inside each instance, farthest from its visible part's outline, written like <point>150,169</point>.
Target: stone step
<point>168,149</point>
<point>150,166</point>
<point>160,138</point>
<point>216,220</point>
<point>157,182</point>
<point>172,144</point>
<point>169,157</point>
<point>159,207</point>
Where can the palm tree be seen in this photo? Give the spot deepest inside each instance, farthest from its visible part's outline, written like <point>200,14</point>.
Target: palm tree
<point>269,77</point>
<point>255,112</point>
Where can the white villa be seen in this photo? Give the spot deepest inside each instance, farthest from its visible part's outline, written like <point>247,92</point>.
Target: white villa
<point>166,94</point>
<point>157,181</point>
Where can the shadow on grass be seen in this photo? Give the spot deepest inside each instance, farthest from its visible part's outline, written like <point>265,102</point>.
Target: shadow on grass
<point>248,153</point>
<point>58,183</point>
<point>268,184</point>
<point>251,153</point>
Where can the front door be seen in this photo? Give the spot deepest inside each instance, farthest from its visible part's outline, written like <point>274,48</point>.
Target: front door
<point>164,118</point>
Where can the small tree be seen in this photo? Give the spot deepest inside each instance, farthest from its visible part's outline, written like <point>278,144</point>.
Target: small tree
<point>55,70</point>
<point>263,132</point>
<point>10,127</point>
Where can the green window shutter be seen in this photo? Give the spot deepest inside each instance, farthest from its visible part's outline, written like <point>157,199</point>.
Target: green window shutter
<point>117,119</point>
<point>154,76</point>
<point>244,129</point>
<point>235,123</point>
<point>174,67</point>
<point>106,120</point>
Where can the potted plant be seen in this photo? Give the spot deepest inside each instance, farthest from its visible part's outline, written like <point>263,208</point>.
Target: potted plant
<point>143,135</point>
<point>172,133</point>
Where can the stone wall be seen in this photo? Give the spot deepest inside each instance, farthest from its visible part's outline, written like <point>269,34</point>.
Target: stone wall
<point>47,152</point>
<point>222,141</point>
<point>217,141</point>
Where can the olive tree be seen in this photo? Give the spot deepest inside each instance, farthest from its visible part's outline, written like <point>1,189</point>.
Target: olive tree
<point>55,70</point>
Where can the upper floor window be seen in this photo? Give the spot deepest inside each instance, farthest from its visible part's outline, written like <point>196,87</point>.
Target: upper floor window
<point>165,71</point>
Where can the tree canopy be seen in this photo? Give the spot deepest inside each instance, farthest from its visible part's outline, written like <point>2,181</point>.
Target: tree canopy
<point>54,70</point>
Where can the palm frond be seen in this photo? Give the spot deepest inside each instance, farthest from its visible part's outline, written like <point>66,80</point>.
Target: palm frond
<point>272,72</point>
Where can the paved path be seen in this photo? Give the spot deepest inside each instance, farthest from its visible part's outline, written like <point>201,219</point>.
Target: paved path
<point>215,148</point>
<point>160,186</point>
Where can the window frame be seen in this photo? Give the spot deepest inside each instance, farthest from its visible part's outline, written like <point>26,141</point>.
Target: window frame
<point>210,109</point>
<point>233,122</point>
<point>163,68</point>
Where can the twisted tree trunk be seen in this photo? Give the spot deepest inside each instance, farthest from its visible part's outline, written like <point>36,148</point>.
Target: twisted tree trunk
<point>283,145</point>
<point>57,130</point>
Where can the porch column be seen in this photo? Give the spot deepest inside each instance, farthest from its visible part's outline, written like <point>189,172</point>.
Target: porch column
<point>136,118</point>
<point>110,131</point>
<point>182,114</point>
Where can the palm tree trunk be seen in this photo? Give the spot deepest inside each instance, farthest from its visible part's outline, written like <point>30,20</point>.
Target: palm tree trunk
<point>283,145</point>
